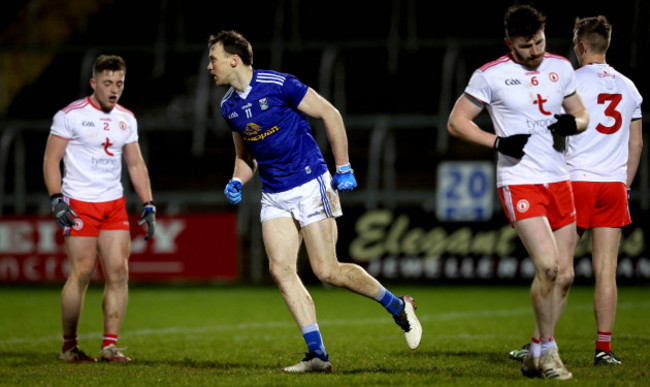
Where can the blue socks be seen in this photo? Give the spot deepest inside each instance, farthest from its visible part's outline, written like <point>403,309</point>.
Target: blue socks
<point>392,304</point>
<point>314,341</point>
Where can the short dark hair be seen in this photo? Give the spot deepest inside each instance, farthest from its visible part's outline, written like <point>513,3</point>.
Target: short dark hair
<point>110,63</point>
<point>595,31</point>
<point>523,21</point>
<point>233,43</point>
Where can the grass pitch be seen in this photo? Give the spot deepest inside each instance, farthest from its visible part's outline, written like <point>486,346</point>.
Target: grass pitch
<point>194,336</point>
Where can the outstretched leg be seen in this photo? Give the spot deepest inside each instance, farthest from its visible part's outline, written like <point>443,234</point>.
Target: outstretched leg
<point>320,241</point>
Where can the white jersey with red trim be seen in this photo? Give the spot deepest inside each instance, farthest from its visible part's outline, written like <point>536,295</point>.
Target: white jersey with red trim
<point>600,153</point>
<point>93,157</point>
<point>521,100</point>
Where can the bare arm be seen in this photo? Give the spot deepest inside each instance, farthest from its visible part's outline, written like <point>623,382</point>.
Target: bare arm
<point>573,105</point>
<point>245,164</point>
<point>461,123</point>
<point>138,171</point>
<point>54,151</point>
<point>316,106</point>
<point>635,148</point>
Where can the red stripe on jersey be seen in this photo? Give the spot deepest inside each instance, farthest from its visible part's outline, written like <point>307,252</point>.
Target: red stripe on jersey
<point>122,108</point>
<point>549,55</point>
<point>503,59</point>
<point>61,137</point>
<point>76,105</point>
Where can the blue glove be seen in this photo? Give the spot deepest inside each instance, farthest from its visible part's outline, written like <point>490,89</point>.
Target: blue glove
<point>233,191</point>
<point>149,216</point>
<point>344,180</point>
<point>62,211</point>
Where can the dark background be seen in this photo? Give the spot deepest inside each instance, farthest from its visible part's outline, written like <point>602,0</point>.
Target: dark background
<point>388,62</point>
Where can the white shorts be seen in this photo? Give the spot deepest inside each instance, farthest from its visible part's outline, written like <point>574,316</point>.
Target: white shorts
<point>308,203</point>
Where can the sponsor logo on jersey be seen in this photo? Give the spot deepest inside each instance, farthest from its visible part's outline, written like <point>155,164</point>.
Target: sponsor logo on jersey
<point>103,164</point>
<point>247,106</point>
<point>605,74</point>
<point>539,126</point>
<point>251,129</point>
<point>251,133</point>
<point>513,82</point>
<point>264,104</point>
<point>107,144</point>
<point>87,123</point>
<point>233,115</point>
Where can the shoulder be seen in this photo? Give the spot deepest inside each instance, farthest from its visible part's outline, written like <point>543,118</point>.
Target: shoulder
<point>558,63</point>
<point>495,64</point>
<point>554,57</point>
<point>272,77</point>
<point>76,105</point>
<point>123,110</point>
<point>624,78</point>
<point>227,96</point>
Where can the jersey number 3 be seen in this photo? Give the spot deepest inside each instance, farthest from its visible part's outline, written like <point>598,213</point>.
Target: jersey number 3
<point>610,111</point>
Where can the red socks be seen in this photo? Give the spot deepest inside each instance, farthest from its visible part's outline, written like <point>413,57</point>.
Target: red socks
<point>108,340</point>
<point>604,342</point>
<point>69,342</point>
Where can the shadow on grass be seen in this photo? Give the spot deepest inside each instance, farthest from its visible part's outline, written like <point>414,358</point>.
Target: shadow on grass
<point>28,358</point>
<point>206,365</point>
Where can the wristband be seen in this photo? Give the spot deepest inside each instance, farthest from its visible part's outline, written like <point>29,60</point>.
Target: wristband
<point>149,203</point>
<point>344,168</point>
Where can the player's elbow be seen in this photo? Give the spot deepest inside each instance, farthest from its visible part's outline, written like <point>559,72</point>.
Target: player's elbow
<point>454,126</point>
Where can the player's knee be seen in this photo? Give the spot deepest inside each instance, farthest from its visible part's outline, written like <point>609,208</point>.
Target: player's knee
<point>280,272</point>
<point>80,278</point>
<point>550,271</point>
<point>328,274</point>
<point>565,278</point>
<point>117,275</point>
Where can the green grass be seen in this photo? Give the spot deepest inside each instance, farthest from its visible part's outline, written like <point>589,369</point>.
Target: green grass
<point>244,336</point>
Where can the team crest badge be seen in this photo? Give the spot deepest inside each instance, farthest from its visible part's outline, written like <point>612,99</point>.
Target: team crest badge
<point>123,125</point>
<point>78,224</point>
<point>523,205</point>
<point>264,104</point>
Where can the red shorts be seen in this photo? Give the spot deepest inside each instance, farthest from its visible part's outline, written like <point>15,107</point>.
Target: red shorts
<point>552,200</point>
<point>601,204</point>
<point>94,217</point>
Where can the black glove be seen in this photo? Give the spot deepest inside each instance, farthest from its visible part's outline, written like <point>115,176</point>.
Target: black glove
<point>564,126</point>
<point>149,216</point>
<point>62,211</point>
<point>512,146</point>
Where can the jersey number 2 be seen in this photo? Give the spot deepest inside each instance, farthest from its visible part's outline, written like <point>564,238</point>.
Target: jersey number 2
<point>610,111</point>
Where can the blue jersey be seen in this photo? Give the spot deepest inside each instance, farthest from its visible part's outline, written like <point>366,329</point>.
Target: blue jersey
<point>274,131</point>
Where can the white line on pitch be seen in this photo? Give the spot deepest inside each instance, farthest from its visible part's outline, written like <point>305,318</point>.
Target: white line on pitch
<point>324,322</point>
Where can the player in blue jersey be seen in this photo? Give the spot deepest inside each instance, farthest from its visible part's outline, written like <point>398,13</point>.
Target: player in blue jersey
<point>267,113</point>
